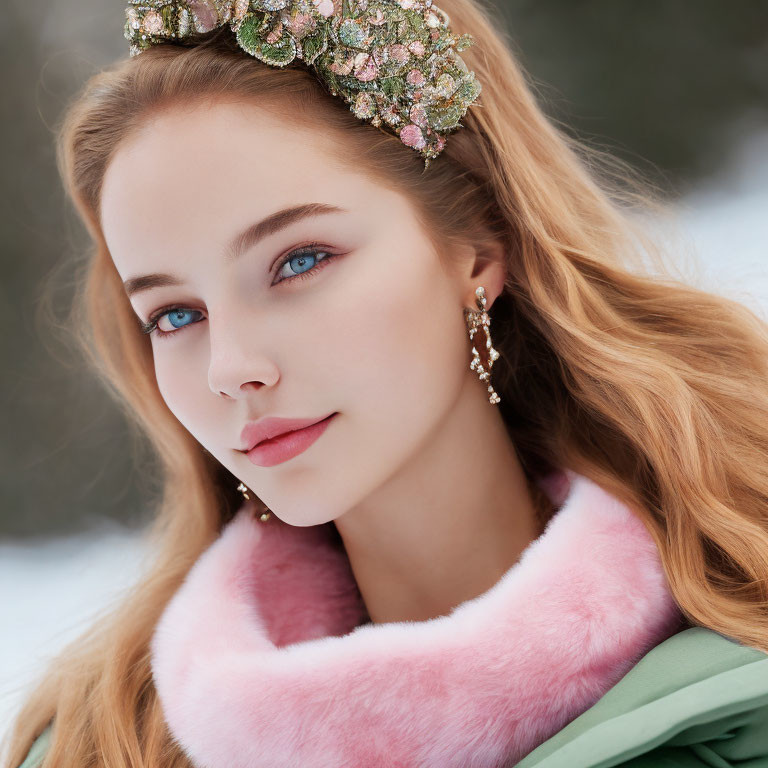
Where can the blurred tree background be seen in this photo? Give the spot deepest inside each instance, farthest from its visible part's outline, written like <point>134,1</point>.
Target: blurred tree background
<point>670,86</point>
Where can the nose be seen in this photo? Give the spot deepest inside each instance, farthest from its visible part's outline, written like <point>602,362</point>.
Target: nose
<point>239,360</point>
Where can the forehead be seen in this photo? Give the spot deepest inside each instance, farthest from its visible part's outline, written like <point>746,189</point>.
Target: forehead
<point>213,133</point>
<point>194,174</point>
<point>219,139</point>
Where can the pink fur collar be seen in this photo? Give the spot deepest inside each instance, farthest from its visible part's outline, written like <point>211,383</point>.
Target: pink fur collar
<point>262,659</point>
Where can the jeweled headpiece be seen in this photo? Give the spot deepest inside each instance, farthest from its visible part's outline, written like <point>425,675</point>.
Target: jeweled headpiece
<point>393,61</point>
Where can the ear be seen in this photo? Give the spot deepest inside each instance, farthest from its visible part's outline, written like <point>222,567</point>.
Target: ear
<point>486,267</point>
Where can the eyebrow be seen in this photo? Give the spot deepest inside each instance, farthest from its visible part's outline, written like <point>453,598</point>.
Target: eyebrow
<point>270,225</point>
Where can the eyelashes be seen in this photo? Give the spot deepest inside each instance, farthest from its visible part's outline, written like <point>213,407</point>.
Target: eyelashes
<point>150,327</point>
<point>302,253</point>
<point>311,250</point>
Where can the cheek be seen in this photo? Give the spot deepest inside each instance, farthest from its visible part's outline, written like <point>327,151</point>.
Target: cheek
<point>182,379</point>
<point>404,344</point>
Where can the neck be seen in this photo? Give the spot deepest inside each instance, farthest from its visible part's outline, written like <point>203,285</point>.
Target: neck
<point>448,525</point>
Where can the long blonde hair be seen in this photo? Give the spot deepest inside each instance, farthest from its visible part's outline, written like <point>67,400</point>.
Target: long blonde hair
<point>654,389</point>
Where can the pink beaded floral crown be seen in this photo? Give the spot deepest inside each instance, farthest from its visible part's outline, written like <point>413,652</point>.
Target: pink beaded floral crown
<point>393,61</point>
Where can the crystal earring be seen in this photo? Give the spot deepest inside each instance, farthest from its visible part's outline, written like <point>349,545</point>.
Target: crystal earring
<point>482,360</point>
<point>264,516</point>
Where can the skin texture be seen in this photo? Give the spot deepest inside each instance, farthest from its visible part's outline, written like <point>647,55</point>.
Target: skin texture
<point>417,469</point>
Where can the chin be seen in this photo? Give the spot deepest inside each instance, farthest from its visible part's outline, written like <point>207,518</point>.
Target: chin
<point>303,514</point>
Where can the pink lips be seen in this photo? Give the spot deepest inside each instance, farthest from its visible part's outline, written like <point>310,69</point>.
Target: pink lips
<point>274,440</point>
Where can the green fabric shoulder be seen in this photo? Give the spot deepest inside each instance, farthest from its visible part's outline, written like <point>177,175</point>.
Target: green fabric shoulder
<point>697,699</point>
<point>38,749</point>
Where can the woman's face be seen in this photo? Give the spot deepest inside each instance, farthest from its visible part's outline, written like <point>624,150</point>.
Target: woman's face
<point>366,324</point>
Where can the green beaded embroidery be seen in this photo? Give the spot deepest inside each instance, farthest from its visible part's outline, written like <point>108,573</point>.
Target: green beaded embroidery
<point>395,62</point>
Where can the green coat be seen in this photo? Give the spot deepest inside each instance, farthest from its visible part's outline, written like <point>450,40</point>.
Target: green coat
<point>697,700</point>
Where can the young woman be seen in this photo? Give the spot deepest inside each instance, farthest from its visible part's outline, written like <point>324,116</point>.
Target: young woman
<point>447,483</point>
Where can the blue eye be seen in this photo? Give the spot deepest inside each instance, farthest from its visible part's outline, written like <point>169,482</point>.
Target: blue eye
<point>177,316</point>
<point>303,263</point>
